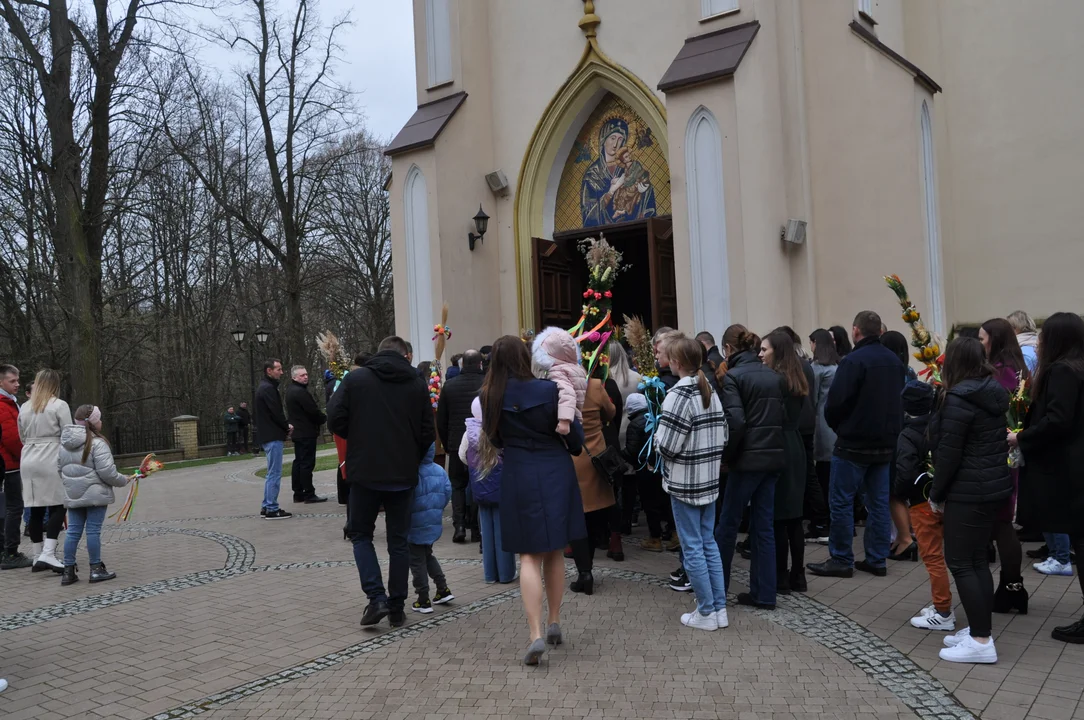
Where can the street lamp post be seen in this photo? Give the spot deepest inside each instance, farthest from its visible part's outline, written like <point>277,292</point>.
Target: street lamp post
<point>261,337</point>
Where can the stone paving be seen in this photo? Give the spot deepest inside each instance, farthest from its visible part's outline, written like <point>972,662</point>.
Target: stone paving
<point>219,614</point>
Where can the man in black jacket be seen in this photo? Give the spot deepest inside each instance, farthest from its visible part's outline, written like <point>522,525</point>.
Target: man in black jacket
<point>712,355</point>
<point>383,412</point>
<point>243,426</point>
<point>452,413</point>
<point>271,433</point>
<point>306,419</point>
<point>865,408</point>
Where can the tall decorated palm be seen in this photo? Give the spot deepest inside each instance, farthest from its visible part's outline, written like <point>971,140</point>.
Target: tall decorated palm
<point>595,328</point>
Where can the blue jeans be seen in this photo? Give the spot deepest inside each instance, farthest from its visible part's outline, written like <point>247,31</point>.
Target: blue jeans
<point>273,451</point>
<point>91,518</point>
<point>364,504</point>
<point>1058,544</point>
<point>696,530</point>
<point>497,565</point>
<point>848,480</point>
<point>756,489</point>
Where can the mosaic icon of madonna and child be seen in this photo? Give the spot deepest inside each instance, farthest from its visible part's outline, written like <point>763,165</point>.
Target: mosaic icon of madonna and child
<point>616,187</point>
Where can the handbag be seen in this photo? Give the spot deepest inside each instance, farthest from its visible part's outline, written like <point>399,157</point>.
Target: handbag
<point>610,463</point>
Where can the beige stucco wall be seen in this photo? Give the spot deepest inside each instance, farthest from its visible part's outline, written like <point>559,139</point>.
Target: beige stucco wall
<point>864,161</point>
<point>816,125</point>
<point>1009,150</point>
<point>455,171</point>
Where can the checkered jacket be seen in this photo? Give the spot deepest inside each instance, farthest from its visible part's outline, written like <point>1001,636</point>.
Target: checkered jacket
<point>691,440</point>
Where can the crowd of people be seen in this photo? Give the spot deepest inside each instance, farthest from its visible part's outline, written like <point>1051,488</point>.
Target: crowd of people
<point>753,435</point>
<point>546,461</point>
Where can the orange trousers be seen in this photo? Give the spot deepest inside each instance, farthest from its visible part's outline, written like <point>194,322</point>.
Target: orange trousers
<point>930,533</point>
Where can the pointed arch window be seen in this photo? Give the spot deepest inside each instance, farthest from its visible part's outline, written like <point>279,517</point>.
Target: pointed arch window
<point>933,225</point>
<point>707,222</point>
<point>419,280</point>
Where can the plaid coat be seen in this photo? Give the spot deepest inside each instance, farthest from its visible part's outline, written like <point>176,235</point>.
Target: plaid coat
<point>691,440</point>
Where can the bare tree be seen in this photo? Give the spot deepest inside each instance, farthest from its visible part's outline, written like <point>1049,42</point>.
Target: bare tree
<point>289,91</point>
<point>355,220</point>
<point>50,35</point>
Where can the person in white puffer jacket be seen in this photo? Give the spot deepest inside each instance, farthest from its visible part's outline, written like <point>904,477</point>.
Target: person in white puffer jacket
<point>89,475</point>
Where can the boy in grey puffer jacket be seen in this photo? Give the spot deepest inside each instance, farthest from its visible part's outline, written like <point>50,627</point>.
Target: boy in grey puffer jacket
<point>89,476</point>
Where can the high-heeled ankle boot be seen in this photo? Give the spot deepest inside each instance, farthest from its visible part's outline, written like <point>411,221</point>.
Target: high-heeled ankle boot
<point>1011,595</point>
<point>615,552</point>
<point>585,584</point>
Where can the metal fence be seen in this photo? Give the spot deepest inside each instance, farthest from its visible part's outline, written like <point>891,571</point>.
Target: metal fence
<point>148,436</point>
<point>212,431</point>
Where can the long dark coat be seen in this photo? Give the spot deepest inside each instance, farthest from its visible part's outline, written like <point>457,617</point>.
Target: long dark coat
<point>1052,442</point>
<point>540,508</point>
<point>790,490</point>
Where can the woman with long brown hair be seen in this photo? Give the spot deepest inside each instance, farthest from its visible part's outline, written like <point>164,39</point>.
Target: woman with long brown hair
<point>1003,352</point>
<point>1052,443</point>
<point>970,485</point>
<point>777,351</point>
<point>753,405</point>
<point>40,423</point>
<point>541,510</point>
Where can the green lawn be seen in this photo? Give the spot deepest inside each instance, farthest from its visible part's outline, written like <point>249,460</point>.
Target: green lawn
<point>181,464</point>
<point>327,462</point>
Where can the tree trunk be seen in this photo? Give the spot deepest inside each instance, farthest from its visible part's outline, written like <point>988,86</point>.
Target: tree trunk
<point>295,331</point>
<point>76,266</point>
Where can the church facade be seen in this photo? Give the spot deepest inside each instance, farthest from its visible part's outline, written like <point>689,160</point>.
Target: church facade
<point>756,161</point>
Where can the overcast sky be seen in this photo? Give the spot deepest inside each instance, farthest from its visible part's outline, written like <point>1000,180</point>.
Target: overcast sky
<point>377,58</point>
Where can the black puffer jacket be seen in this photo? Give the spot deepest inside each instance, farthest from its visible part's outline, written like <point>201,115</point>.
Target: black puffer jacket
<point>452,413</point>
<point>636,439</point>
<point>970,450</point>
<point>753,403</point>
<point>913,447</point>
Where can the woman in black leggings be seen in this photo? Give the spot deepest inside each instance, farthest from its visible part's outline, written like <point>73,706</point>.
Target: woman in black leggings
<point>970,483</point>
<point>1052,443</point>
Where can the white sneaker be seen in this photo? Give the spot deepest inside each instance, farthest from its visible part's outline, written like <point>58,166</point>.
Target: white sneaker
<point>699,622</point>
<point>970,651</point>
<point>930,619</point>
<point>3,685</point>
<point>1050,566</point>
<point>959,637</point>
<point>721,619</point>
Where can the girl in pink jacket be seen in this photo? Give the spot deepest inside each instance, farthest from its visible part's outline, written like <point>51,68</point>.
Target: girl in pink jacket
<point>557,353</point>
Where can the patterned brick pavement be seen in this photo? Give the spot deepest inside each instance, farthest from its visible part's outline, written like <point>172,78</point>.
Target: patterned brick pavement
<point>219,614</point>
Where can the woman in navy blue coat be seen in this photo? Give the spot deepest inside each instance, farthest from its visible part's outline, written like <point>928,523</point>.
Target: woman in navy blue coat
<point>541,510</point>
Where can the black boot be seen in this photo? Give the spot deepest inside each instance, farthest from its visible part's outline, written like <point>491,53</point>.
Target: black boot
<point>585,584</point>
<point>98,573</point>
<point>68,575</point>
<point>1070,633</point>
<point>797,580</point>
<point>1011,595</point>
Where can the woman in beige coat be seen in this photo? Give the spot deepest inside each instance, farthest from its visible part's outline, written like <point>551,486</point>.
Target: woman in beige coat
<point>597,494</point>
<point>40,423</point>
